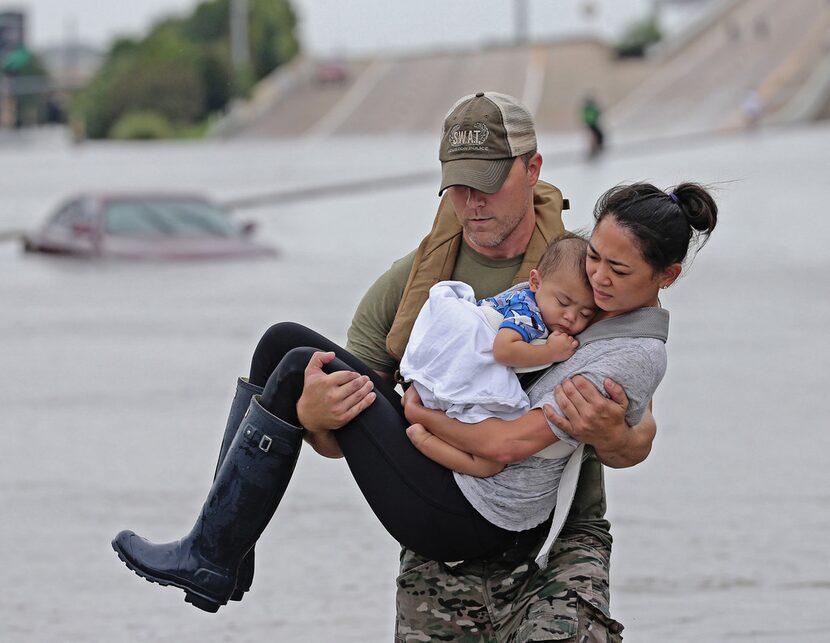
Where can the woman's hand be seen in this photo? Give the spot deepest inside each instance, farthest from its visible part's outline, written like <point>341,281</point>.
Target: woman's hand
<point>417,434</point>
<point>331,400</point>
<point>411,403</point>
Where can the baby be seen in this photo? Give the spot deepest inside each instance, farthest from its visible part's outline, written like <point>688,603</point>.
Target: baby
<point>475,379</point>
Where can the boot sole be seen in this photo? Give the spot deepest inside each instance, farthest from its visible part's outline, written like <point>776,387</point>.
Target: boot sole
<point>203,602</point>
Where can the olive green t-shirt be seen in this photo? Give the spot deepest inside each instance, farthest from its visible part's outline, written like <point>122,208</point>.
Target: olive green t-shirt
<point>376,312</point>
<point>373,319</point>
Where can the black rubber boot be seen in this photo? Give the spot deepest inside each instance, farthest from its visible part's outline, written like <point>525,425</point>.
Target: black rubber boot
<point>241,400</point>
<point>247,490</point>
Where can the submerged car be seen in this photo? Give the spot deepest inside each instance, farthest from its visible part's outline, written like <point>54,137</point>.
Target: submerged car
<point>144,226</point>
<point>331,71</point>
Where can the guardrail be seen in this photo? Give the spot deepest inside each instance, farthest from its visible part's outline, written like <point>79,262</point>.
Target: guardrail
<point>30,85</point>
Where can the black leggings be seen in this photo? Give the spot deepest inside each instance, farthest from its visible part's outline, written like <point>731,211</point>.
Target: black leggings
<point>416,499</point>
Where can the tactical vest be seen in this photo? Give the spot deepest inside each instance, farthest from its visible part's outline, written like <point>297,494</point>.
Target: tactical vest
<point>436,256</point>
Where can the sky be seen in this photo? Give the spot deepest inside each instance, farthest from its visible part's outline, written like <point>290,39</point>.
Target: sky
<point>343,27</point>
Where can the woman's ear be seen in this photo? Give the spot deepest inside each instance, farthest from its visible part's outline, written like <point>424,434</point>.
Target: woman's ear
<point>670,274</point>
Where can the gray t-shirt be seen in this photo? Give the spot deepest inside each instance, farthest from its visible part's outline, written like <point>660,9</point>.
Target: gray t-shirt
<point>524,494</point>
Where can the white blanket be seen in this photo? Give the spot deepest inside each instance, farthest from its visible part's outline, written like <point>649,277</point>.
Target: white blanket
<point>449,359</point>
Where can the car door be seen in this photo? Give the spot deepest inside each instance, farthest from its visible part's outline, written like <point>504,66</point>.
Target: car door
<point>74,229</point>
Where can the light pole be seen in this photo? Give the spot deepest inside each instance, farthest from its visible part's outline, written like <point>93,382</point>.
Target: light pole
<point>520,14</point>
<point>240,50</point>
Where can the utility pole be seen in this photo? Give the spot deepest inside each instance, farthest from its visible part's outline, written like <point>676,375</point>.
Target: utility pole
<point>656,10</point>
<point>240,49</point>
<point>520,16</point>
<point>12,30</point>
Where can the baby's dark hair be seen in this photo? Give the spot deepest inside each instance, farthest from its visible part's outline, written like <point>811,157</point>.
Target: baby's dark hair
<point>569,252</point>
<point>664,224</point>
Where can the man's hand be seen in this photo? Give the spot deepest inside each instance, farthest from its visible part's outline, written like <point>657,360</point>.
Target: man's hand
<point>600,422</point>
<point>329,401</point>
<point>590,417</point>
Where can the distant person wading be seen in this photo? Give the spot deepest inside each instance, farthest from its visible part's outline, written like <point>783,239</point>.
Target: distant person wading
<point>591,114</point>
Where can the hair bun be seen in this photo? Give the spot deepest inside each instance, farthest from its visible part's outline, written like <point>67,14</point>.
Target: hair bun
<point>697,206</point>
<point>651,215</point>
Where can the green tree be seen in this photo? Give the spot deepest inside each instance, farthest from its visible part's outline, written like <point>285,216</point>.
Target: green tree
<point>638,37</point>
<point>141,125</point>
<point>272,36</point>
<point>181,71</point>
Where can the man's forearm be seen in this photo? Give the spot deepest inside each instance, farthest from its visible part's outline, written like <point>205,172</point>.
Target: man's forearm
<point>633,447</point>
<point>323,443</point>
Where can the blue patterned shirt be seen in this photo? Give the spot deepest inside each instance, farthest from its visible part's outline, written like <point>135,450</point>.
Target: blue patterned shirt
<point>520,310</point>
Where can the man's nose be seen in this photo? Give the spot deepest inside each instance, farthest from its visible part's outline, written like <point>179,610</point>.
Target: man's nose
<point>475,199</point>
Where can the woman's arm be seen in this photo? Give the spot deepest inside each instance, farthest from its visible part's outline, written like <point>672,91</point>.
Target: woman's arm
<point>502,441</point>
<point>448,456</point>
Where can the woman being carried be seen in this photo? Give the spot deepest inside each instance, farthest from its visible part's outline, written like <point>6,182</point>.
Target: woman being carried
<point>639,241</point>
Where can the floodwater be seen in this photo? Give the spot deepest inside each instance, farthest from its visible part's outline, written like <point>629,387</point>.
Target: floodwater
<point>115,378</point>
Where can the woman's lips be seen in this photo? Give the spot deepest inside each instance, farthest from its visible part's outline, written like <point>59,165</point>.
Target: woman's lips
<point>601,296</point>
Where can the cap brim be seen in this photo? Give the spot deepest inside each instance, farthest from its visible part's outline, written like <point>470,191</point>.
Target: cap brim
<point>484,175</point>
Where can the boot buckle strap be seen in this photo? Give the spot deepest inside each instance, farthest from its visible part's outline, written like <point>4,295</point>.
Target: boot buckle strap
<point>264,440</point>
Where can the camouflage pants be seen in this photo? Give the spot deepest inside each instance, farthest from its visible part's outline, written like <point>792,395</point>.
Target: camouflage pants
<point>509,602</point>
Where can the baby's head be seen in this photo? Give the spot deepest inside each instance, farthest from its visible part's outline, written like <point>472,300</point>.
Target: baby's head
<point>561,286</point>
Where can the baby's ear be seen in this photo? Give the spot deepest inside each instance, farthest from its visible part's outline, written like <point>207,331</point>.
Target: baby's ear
<point>534,280</point>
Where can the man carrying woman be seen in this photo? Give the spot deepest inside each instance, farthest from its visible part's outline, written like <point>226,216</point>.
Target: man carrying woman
<point>494,222</point>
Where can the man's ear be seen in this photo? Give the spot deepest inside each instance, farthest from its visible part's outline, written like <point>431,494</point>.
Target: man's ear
<point>534,168</point>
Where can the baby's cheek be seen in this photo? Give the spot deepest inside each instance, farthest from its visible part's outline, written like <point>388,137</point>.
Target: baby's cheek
<point>580,326</point>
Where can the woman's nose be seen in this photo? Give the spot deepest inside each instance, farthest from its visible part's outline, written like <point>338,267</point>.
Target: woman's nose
<point>601,275</point>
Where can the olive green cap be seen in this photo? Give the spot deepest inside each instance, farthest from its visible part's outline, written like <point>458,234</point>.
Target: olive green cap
<point>482,135</point>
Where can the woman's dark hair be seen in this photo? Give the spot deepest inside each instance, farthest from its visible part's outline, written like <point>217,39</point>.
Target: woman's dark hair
<point>663,224</point>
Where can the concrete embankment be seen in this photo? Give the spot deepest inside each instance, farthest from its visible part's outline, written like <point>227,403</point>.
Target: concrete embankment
<point>697,82</point>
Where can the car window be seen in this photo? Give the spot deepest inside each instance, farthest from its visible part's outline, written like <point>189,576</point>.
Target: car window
<point>68,215</point>
<point>168,218</point>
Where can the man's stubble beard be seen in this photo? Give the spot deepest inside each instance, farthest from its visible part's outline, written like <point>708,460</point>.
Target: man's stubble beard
<point>497,237</point>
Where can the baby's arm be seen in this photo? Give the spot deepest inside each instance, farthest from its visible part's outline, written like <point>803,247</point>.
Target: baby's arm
<point>511,349</point>
<point>448,456</point>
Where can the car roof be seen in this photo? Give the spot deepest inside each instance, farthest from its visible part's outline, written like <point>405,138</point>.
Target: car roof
<point>106,197</point>
<point>98,200</point>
